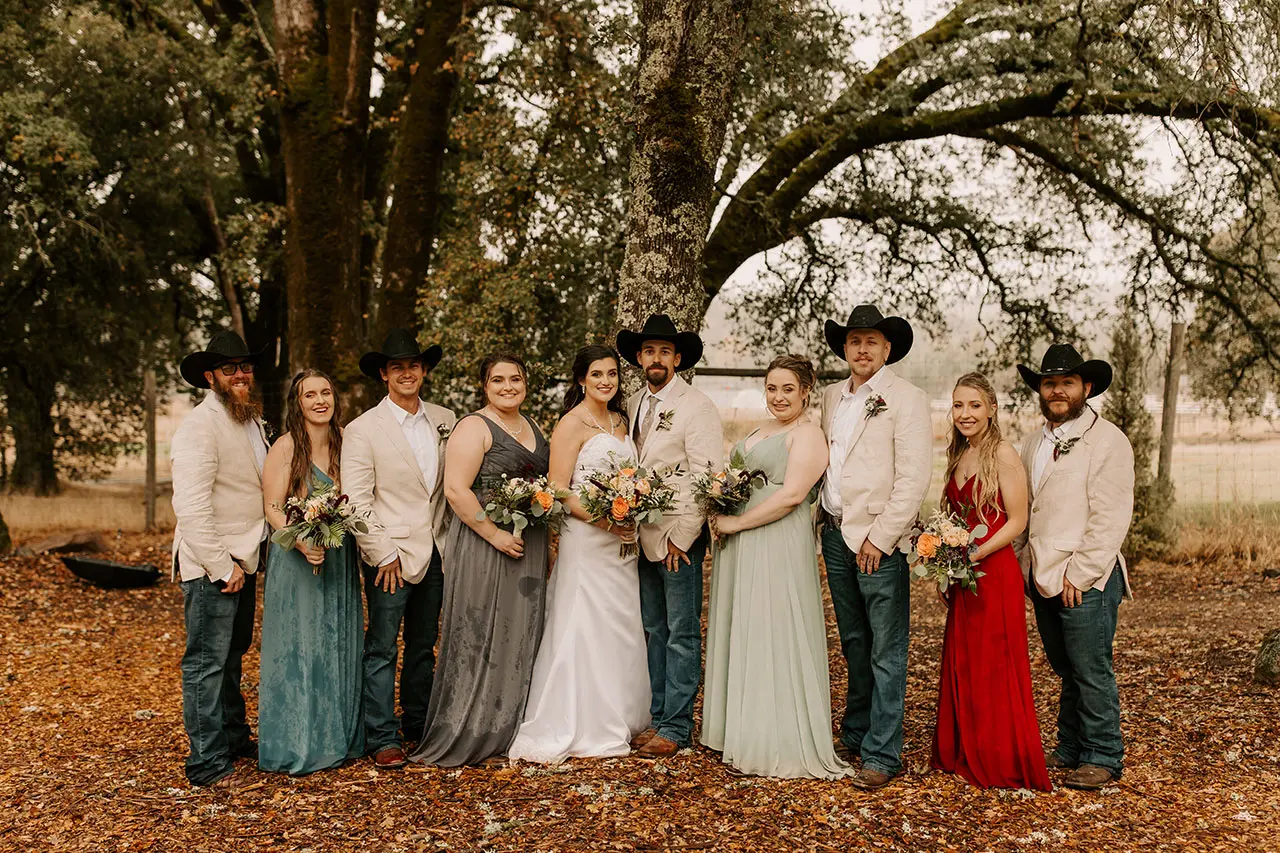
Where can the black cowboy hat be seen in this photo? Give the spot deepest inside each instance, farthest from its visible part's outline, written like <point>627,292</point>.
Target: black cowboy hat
<point>895,329</point>
<point>659,327</point>
<point>1062,359</point>
<point>400,343</point>
<point>225,346</point>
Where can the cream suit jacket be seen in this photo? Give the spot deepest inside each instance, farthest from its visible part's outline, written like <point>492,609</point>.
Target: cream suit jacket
<point>695,441</point>
<point>217,494</point>
<point>888,465</point>
<point>1080,510</point>
<point>382,478</point>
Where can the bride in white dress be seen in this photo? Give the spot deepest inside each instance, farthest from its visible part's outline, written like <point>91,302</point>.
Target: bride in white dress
<point>590,689</point>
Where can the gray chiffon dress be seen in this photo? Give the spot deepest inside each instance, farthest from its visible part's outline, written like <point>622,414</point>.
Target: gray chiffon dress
<point>491,624</point>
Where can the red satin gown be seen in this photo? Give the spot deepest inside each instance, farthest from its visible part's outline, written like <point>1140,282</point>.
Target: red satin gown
<point>987,729</point>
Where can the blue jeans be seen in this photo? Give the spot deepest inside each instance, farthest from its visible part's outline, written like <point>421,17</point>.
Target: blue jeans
<point>416,606</point>
<point>1077,642</point>
<point>671,610</point>
<point>873,618</point>
<point>219,632</point>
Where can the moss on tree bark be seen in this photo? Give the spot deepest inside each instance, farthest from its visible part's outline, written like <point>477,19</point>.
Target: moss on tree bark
<point>689,52</point>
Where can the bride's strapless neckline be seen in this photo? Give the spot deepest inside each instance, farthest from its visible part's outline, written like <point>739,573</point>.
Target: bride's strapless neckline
<point>620,440</point>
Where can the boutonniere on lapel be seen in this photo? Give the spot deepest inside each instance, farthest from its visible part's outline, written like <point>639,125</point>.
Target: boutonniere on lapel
<point>875,405</point>
<point>664,420</point>
<point>1062,446</point>
<point>445,431</point>
<point>268,432</point>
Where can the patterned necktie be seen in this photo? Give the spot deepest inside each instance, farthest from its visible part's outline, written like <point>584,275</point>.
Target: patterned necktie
<point>642,431</point>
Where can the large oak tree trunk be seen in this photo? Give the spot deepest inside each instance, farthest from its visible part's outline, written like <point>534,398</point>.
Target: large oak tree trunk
<point>324,51</point>
<point>31,397</point>
<point>417,166</point>
<point>689,52</point>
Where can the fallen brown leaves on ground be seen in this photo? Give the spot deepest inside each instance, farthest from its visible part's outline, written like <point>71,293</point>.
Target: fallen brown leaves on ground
<point>91,714</point>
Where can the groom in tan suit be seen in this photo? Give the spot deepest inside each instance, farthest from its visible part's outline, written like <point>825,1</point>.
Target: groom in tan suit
<point>218,541</point>
<point>880,440</point>
<point>393,470</point>
<point>672,423</point>
<point>1080,468</point>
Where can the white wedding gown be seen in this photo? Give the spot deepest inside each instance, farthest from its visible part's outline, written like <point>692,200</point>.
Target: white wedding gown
<point>590,690</point>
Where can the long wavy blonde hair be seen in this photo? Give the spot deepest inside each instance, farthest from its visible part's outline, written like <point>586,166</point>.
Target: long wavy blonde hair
<point>986,487</point>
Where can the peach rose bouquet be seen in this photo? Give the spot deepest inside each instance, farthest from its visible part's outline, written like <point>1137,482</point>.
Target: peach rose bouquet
<point>519,502</point>
<point>942,552</point>
<point>628,495</point>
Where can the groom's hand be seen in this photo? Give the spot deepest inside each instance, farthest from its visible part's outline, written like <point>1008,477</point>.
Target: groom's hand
<point>1071,597</point>
<point>674,556</point>
<point>389,578</point>
<point>868,557</point>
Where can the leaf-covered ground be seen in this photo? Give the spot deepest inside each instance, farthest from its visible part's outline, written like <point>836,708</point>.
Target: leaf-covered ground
<point>92,749</point>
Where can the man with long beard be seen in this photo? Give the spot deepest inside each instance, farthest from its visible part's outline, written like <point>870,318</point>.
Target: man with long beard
<point>218,540</point>
<point>1080,468</point>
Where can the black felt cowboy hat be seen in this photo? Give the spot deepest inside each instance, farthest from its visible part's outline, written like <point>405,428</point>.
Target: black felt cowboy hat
<point>659,327</point>
<point>895,329</point>
<point>1061,360</point>
<point>400,343</point>
<point>225,346</point>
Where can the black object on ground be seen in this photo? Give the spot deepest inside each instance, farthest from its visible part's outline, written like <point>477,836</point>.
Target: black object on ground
<point>110,574</point>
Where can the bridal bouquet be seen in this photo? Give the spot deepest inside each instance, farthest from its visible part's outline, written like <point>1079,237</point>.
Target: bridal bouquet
<point>523,502</point>
<point>322,520</point>
<point>943,552</point>
<point>727,491</point>
<point>629,495</point>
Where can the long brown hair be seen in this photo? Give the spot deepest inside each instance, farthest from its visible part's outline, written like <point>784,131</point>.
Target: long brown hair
<point>296,425</point>
<point>986,486</point>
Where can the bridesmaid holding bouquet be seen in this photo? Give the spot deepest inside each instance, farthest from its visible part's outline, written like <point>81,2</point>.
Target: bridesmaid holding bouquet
<point>767,700</point>
<point>987,730</point>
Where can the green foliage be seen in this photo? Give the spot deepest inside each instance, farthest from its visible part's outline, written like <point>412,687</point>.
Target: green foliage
<point>95,254</point>
<point>1154,529</point>
<point>977,166</point>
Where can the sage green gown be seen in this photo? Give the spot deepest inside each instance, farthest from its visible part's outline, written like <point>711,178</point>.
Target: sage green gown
<point>767,695</point>
<point>309,708</point>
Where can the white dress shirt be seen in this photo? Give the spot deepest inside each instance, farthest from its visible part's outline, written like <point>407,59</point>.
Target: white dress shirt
<point>1044,453</point>
<point>852,406</point>
<point>423,441</point>
<point>421,437</point>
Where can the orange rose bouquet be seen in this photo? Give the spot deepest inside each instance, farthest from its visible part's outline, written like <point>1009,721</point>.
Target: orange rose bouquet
<point>628,495</point>
<point>943,552</point>
<point>519,502</point>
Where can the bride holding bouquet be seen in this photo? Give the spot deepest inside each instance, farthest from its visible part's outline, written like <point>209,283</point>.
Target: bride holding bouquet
<point>590,691</point>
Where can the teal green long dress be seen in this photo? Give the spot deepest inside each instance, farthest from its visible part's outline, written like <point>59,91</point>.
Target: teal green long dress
<point>309,708</point>
<point>767,694</point>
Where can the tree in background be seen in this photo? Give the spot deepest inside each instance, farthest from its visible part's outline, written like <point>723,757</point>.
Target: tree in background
<point>1153,530</point>
<point>514,173</point>
<point>976,162</point>
<point>94,253</point>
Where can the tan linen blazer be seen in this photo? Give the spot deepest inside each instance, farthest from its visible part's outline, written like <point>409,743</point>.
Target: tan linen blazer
<point>382,478</point>
<point>217,494</point>
<point>694,440</point>
<point>1080,510</point>
<point>888,467</point>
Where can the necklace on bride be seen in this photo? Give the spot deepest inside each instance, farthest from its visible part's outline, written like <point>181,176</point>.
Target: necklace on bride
<point>596,423</point>
<point>502,423</point>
